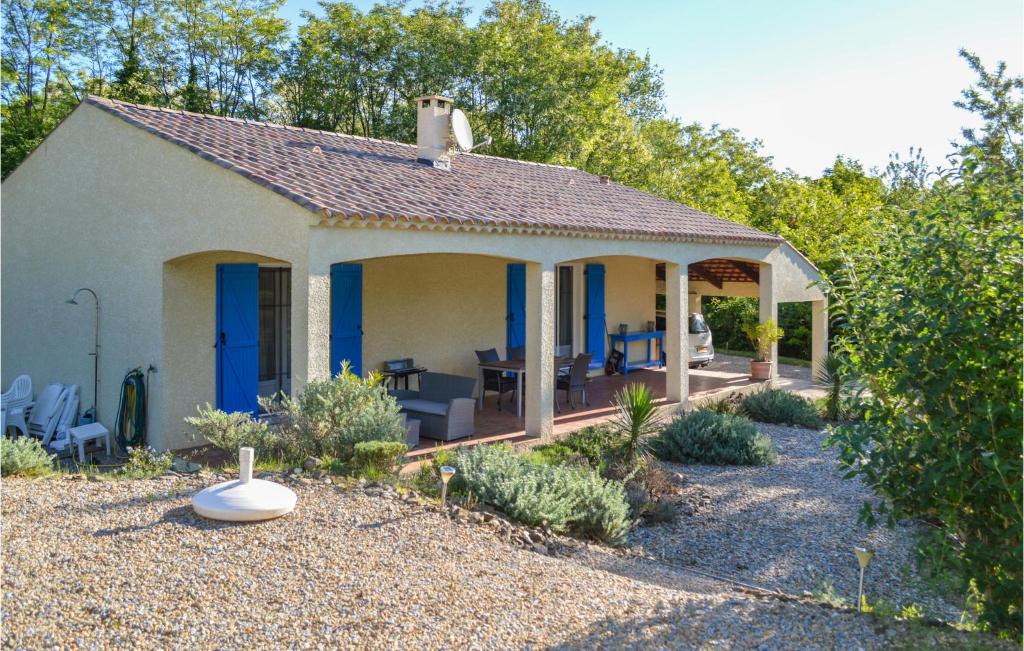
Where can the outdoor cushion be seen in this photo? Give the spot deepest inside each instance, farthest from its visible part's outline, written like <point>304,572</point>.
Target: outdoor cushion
<point>424,406</point>
<point>442,387</point>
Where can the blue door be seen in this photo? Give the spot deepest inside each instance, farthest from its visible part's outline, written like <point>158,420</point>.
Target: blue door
<point>596,328</point>
<point>238,339</point>
<point>347,317</point>
<point>515,328</point>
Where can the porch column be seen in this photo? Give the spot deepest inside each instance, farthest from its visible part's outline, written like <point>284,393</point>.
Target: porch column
<point>695,303</point>
<point>768,309</point>
<point>318,326</point>
<point>540,348</point>
<point>677,334</point>
<point>819,333</point>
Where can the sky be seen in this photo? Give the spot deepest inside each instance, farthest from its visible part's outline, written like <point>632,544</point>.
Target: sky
<point>810,79</point>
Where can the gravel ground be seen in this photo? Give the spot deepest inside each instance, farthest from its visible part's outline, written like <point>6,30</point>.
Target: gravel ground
<point>128,564</point>
<point>792,527</point>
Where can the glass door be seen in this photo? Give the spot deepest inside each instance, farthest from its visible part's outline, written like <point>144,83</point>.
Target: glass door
<point>275,357</point>
<point>564,324</point>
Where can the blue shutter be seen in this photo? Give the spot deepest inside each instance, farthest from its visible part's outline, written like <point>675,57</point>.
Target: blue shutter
<point>238,364</point>
<point>347,317</point>
<point>596,328</point>
<point>515,328</point>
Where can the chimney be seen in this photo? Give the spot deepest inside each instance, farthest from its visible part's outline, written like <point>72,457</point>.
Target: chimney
<point>433,120</point>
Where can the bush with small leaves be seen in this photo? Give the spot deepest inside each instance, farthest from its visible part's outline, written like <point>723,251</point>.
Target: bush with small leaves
<point>330,416</point>
<point>714,439</point>
<point>592,446</point>
<point>778,406</point>
<point>25,457</point>
<point>232,431</point>
<point>378,459</point>
<point>145,462</point>
<point>726,405</point>
<point>569,499</point>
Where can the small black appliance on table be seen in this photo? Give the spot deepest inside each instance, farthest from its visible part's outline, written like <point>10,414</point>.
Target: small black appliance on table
<point>401,369</point>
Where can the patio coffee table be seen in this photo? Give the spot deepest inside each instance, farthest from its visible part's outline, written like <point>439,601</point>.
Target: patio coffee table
<point>517,366</point>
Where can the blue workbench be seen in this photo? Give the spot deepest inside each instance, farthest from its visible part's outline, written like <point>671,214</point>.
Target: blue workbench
<point>628,366</point>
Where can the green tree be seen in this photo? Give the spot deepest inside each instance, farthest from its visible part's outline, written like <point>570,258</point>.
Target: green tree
<point>38,38</point>
<point>931,325</point>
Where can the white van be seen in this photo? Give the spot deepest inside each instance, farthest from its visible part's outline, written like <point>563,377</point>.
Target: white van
<point>702,351</point>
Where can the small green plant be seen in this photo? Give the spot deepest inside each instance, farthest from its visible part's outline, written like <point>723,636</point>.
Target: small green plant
<point>831,372</point>
<point>145,462</point>
<point>636,417</point>
<point>719,406</point>
<point>770,405</point>
<point>378,459</point>
<point>428,477</point>
<point>715,439</point>
<point>231,431</point>
<point>592,445</point>
<point>659,513</point>
<point>24,457</point>
<point>762,337</point>
<point>826,593</point>
<point>568,499</point>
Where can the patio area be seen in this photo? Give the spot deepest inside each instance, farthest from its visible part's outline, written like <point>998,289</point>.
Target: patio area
<point>727,374</point>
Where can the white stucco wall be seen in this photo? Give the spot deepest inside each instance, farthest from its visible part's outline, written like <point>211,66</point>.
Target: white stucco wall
<point>102,204</point>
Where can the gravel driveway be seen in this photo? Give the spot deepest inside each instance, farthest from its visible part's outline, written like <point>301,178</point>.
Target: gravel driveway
<point>127,564</point>
<point>791,526</point>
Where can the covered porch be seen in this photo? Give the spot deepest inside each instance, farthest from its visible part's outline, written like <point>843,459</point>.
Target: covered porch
<point>442,301</point>
<point>726,376</point>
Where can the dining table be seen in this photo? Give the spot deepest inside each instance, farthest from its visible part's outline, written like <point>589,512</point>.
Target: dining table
<point>517,367</point>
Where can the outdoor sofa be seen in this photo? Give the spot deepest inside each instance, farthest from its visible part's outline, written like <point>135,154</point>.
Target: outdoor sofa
<point>443,404</point>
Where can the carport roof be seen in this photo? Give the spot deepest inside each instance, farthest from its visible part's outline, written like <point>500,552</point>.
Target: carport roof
<point>348,177</point>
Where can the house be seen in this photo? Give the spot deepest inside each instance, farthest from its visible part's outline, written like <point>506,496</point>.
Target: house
<point>243,258</point>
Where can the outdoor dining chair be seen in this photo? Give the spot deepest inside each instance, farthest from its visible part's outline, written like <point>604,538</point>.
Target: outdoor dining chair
<point>575,381</point>
<point>495,380</point>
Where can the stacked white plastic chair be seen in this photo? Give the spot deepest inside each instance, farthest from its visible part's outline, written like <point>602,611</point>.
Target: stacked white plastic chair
<point>67,419</point>
<point>16,402</point>
<point>45,415</point>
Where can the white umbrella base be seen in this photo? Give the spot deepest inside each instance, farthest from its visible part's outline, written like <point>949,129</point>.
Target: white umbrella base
<point>238,501</point>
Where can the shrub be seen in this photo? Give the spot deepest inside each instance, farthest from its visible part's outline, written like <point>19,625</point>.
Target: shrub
<point>778,406</point>
<point>377,459</point>
<point>330,416</point>
<point>24,456</point>
<point>593,445</point>
<point>232,431</point>
<point>428,478</point>
<point>715,439</point>
<point>725,405</point>
<point>636,417</point>
<point>145,462</point>
<point>567,499</point>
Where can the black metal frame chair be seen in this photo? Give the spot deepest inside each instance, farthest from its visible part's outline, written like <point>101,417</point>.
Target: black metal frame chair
<point>575,381</point>
<point>495,380</point>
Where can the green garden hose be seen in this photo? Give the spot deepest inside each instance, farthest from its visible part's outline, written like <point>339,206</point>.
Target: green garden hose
<point>131,411</point>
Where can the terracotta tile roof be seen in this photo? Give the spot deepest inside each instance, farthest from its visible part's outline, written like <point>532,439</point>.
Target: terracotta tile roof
<point>358,178</point>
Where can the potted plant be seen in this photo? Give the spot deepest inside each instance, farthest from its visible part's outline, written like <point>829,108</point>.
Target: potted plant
<point>763,336</point>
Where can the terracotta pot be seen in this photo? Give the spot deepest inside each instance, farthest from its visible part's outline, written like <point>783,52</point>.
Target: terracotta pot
<point>760,370</point>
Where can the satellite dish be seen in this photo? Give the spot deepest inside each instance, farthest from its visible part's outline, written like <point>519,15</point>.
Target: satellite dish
<point>463,132</point>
